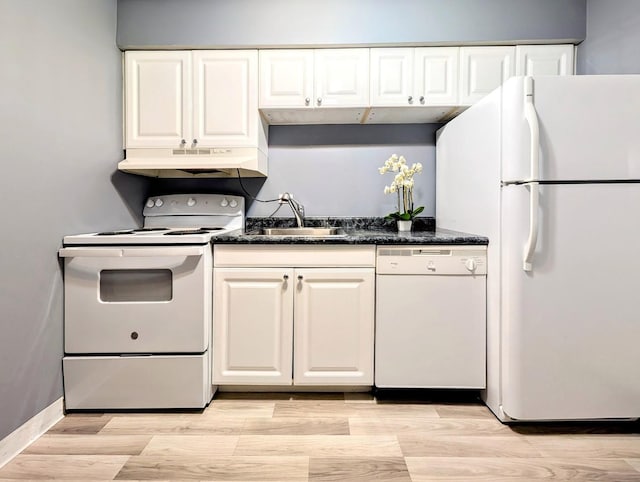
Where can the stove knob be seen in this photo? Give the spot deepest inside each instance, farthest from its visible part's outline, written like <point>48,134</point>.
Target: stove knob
<point>150,203</point>
<point>159,202</point>
<point>224,203</point>
<point>233,203</point>
<point>470,264</point>
<point>191,202</point>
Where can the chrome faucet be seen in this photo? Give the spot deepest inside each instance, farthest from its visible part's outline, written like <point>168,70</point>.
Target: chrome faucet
<point>296,207</point>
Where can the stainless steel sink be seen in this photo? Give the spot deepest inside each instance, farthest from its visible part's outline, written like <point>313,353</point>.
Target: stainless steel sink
<point>318,232</point>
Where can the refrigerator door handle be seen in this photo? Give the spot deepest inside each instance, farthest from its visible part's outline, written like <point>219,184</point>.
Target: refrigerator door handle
<point>530,246</point>
<point>531,116</point>
<point>532,119</point>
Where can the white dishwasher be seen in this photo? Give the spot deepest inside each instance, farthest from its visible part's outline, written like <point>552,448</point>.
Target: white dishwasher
<point>431,317</point>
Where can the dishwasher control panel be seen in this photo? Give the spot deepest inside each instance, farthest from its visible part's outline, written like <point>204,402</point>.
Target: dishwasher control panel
<point>432,260</point>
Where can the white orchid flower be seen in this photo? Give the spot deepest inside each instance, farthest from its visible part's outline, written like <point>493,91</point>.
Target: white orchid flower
<point>402,184</point>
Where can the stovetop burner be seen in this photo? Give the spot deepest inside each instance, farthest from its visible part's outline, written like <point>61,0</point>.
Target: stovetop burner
<point>170,231</point>
<point>114,233</point>
<point>145,230</point>
<point>186,232</point>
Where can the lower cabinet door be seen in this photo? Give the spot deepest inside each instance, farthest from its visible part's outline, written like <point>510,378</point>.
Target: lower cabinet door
<point>253,326</point>
<point>334,323</point>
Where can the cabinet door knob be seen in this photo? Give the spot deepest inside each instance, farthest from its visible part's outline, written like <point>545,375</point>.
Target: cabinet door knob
<point>183,142</point>
<point>195,142</point>
<point>319,101</point>
<point>300,277</point>
<point>422,99</point>
<point>410,99</point>
<point>285,277</point>
<point>307,101</point>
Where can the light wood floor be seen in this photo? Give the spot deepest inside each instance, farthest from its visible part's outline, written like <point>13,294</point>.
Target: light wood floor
<point>339,437</point>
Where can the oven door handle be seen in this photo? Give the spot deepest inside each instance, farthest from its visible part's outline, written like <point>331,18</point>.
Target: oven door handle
<point>90,252</point>
<point>144,252</point>
<point>157,251</point>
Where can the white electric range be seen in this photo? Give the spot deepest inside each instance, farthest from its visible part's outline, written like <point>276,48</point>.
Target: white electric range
<point>138,306</point>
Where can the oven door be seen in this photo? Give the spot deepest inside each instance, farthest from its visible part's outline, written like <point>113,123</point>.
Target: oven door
<point>139,299</point>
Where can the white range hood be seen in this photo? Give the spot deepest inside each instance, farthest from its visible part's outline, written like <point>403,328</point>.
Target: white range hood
<point>200,162</point>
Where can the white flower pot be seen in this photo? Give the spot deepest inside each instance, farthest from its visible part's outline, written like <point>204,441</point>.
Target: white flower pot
<point>404,226</point>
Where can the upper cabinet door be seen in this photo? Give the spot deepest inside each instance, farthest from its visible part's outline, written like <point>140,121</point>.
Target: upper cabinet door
<point>483,69</point>
<point>436,76</point>
<point>392,77</point>
<point>225,97</point>
<point>544,60</point>
<point>157,98</point>
<point>341,78</point>
<point>286,78</point>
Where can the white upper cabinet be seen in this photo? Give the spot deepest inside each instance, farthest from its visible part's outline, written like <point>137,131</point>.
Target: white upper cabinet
<point>391,76</point>
<point>436,75</point>
<point>544,60</point>
<point>413,84</point>
<point>482,69</point>
<point>184,99</point>
<point>341,77</point>
<point>157,98</point>
<point>225,98</point>
<point>322,86</point>
<point>426,76</point>
<point>286,78</point>
<point>210,98</point>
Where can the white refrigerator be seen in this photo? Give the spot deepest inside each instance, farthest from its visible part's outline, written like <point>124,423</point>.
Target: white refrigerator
<point>549,169</point>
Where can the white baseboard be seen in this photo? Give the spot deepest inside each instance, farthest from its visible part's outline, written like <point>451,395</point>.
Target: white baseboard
<point>20,438</point>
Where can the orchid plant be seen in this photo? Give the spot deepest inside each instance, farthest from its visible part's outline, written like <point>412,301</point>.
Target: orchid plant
<point>402,185</point>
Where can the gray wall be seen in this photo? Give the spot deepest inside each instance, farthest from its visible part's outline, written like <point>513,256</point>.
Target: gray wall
<point>242,23</point>
<point>612,45</point>
<point>60,119</point>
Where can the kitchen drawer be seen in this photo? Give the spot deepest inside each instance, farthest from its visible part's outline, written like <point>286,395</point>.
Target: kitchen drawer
<point>136,382</point>
<point>293,256</point>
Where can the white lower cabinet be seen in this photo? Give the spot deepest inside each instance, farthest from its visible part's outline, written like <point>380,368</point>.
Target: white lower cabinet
<point>283,325</point>
<point>253,326</point>
<point>333,326</point>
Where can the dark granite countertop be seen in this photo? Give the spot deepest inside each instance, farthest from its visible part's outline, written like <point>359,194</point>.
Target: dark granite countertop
<point>357,231</point>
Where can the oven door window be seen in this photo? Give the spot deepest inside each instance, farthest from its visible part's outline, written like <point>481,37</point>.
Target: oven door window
<point>131,285</point>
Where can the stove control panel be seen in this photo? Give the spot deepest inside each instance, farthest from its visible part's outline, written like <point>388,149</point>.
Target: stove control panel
<point>194,204</point>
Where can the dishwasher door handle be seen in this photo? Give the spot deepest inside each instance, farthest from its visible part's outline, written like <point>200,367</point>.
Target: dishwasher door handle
<point>431,252</point>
